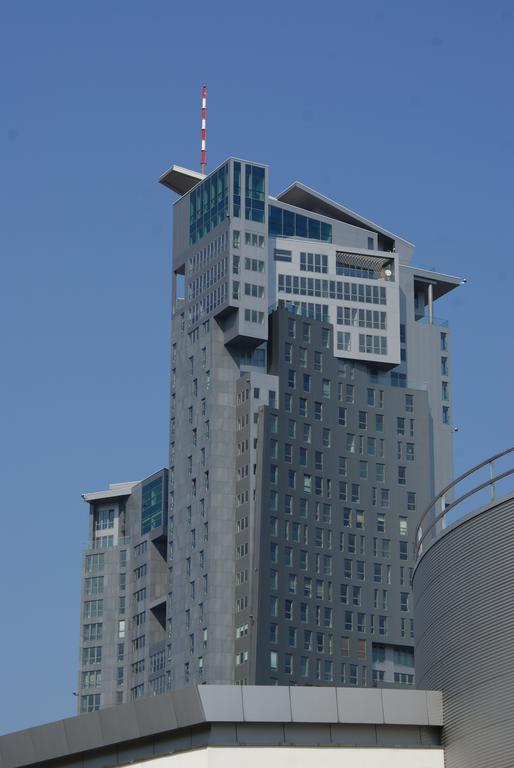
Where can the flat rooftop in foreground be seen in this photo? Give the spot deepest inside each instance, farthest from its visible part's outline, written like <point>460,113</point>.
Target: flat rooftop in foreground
<point>220,720</point>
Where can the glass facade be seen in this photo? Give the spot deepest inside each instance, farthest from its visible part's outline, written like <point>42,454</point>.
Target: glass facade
<point>255,186</point>
<point>236,196</point>
<point>283,223</point>
<point>208,204</point>
<point>152,505</point>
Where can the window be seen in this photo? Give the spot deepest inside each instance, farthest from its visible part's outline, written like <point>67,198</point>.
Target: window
<point>403,525</point>
<point>446,414</point>
<point>94,585</point>
<point>379,422</point>
<point>90,702</point>
<point>444,342</point>
<point>306,382</point>
<point>344,341</point>
<point>402,472</point>
<point>92,655</point>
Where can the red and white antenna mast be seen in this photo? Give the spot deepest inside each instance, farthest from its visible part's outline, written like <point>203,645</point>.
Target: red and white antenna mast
<point>204,129</point>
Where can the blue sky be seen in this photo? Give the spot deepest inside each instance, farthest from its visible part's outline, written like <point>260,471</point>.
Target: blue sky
<point>402,111</point>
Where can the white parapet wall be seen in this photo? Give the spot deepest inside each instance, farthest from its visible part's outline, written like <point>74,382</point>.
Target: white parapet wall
<point>298,757</point>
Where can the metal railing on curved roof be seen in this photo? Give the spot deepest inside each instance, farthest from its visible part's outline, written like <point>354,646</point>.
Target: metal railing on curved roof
<point>444,510</point>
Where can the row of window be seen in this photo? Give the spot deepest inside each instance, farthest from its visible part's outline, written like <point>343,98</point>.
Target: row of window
<point>285,223</point>
<point>331,289</point>
<point>208,303</point>
<point>201,283</point>
<point>207,255</point>
<point>351,518</point>
<point>362,318</point>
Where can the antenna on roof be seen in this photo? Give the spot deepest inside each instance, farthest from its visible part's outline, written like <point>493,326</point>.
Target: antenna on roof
<point>204,128</point>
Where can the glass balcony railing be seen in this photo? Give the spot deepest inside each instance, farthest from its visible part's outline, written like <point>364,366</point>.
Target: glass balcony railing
<point>435,321</point>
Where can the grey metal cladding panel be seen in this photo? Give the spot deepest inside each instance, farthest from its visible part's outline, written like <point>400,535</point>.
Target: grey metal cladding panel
<point>84,732</point>
<point>355,734</point>
<point>50,740</point>
<point>360,705</point>
<point>435,707</point>
<point>406,707</point>
<point>119,724</point>
<point>222,702</point>
<point>16,749</point>
<point>248,733</point>
<point>155,714</point>
<point>398,735</point>
<point>187,706</point>
<point>313,705</point>
<point>267,703</point>
<point>312,734</point>
<point>464,596</point>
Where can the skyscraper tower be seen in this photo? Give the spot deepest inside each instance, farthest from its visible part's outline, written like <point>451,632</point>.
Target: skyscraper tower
<point>310,425</point>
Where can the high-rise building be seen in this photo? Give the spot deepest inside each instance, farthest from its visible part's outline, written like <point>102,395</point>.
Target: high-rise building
<point>310,425</point>
<point>124,594</point>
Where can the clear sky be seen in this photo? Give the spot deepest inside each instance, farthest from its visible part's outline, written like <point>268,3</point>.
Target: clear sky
<point>401,110</point>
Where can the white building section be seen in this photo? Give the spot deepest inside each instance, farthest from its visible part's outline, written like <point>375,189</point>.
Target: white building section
<point>356,290</point>
<point>298,757</point>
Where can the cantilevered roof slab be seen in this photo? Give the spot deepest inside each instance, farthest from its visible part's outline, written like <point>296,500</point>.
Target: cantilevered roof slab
<point>114,491</point>
<point>441,283</point>
<point>181,180</point>
<point>304,197</point>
